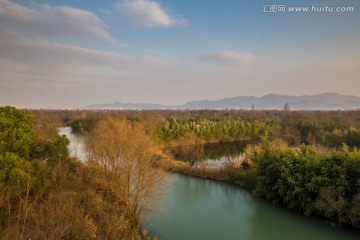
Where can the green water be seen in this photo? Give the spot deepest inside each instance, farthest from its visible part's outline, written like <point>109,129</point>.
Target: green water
<point>196,209</point>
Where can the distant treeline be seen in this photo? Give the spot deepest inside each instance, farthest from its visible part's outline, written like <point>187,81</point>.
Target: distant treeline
<point>326,128</point>
<point>315,128</point>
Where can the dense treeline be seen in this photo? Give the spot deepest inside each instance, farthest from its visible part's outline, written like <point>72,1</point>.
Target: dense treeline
<point>44,194</point>
<point>213,129</point>
<point>327,128</point>
<point>314,129</point>
<point>306,178</point>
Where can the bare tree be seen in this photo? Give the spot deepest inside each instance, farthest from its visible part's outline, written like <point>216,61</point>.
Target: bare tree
<point>125,154</point>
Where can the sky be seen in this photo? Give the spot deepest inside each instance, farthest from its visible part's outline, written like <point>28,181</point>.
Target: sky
<point>71,54</point>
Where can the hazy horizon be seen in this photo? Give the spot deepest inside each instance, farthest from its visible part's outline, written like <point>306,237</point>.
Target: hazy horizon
<point>179,104</point>
<point>64,53</point>
<point>233,97</point>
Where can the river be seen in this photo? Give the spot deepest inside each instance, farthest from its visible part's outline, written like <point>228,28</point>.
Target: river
<point>198,209</point>
<point>76,145</point>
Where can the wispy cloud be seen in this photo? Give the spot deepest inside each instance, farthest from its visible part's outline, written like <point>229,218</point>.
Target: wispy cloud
<point>52,21</point>
<point>33,43</point>
<point>43,58</point>
<point>231,58</point>
<point>147,13</point>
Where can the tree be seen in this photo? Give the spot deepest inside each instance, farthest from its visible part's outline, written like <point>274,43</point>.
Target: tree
<point>331,201</point>
<point>125,155</point>
<point>291,135</point>
<point>16,131</point>
<point>286,107</point>
<point>189,149</point>
<point>52,149</point>
<point>15,186</point>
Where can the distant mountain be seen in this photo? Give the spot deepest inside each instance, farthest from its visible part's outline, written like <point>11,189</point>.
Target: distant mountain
<point>324,101</point>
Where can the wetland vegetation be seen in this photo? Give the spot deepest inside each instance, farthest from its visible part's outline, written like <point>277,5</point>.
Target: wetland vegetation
<point>306,161</point>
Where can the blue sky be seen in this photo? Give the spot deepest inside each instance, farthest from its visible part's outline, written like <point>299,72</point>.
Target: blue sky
<point>76,53</point>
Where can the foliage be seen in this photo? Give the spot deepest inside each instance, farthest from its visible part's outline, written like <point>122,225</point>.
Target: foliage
<point>188,149</point>
<point>16,131</point>
<point>220,129</point>
<point>308,179</point>
<point>83,124</point>
<point>125,155</point>
<point>52,149</point>
<point>349,136</point>
<point>15,172</point>
<point>329,129</point>
<point>44,194</point>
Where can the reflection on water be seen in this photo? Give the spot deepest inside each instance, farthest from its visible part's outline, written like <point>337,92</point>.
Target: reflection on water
<point>76,146</point>
<point>214,151</point>
<point>199,209</point>
<point>211,155</point>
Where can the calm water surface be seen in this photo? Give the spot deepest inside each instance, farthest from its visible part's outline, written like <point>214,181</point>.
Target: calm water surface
<point>76,146</point>
<point>214,155</point>
<point>203,209</point>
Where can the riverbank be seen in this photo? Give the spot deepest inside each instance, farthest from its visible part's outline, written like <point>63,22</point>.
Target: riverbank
<point>202,209</point>
<point>169,164</point>
<point>318,199</point>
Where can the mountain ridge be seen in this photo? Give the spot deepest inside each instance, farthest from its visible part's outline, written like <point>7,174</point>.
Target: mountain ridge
<point>271,101</point>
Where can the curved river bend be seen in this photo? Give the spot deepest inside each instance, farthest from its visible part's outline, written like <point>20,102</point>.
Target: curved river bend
<point>203,209</point>
<point>200,209</point>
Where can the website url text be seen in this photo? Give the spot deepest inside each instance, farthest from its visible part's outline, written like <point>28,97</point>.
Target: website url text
<point>306,9</point>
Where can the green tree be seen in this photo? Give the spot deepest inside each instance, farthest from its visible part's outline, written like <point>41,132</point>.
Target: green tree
<point>16,131</point>
<point>51,149</point>
<point>15,185</point>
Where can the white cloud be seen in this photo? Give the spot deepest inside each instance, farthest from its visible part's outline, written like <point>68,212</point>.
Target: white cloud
<point>43,58</point>
<point>52,21</point>
<point>39,72</point>
<point>231,58</point>
<point>147,13</point>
